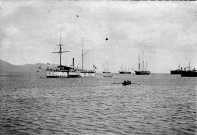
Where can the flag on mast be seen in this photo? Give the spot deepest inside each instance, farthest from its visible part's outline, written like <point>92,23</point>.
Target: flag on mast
<point>94,66</point>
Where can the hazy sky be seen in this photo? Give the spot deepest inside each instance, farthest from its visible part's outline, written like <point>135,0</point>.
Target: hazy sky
<point>164,33</point>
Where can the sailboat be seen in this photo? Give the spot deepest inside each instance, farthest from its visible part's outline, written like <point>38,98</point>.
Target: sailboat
<point>106,70</point>
<point>124,71</point>
<point>84,72</point>
<point>66,71</point>
<point>142,71</point>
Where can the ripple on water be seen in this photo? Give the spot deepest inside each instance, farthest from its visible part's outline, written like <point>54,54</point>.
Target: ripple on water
<point>161,104</point>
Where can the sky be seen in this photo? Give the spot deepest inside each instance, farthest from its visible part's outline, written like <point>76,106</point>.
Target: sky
<point>162,33</point>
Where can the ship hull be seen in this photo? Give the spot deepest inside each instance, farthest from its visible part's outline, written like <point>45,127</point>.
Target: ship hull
<point>59,74</point>
<point>56,74</point>
<point>123,72</point>
<point>176,72</point>
<point>87,74</point>
<point>106,72</point>
<point>189,74</point>
<point>107,75</point>
<point>142,72</point>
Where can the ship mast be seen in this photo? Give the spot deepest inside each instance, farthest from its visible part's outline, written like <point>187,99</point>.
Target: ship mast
<point>146,65</point>
<point>139,63</point>
<point>143,65</point>
<point>82,53</point>
<point>60,51</point>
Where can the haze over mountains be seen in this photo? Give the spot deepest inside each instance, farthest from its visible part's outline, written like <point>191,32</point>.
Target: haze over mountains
<point>6,67</point>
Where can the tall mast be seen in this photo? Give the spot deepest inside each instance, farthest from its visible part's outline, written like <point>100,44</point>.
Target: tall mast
<point>179,62</point>
<point>146,66</point>
<point>60,51</point>
<point>139,63</point>
<point>82,53</point>
<point>143,65</point>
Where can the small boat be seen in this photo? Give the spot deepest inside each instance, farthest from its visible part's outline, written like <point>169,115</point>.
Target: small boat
<point>126,82</point>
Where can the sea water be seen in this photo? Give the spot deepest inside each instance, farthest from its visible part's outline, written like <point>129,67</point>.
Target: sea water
<point>152,104</point>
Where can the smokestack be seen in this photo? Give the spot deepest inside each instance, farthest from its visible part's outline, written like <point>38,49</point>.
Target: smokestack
<point>73,63</point>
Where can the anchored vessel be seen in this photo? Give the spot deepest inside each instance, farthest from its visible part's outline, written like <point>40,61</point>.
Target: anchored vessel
<point>124,71</point>
<point>142,71</point>
<point>189,73</point>
<point>106,71</point>
<point>177,71</point>
<point>69,72</point>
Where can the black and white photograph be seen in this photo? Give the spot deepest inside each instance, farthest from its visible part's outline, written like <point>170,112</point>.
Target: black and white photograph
<point>100,67</point>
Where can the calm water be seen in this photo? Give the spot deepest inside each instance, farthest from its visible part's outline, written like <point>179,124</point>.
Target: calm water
<point>158,104</point>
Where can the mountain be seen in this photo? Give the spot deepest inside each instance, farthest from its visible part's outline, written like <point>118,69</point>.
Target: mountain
<point>6,67</point>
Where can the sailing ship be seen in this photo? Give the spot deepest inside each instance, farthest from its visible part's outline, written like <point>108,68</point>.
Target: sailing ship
<point>142,71</point>
<point>107,73</point>
<point>189,73</point>
<point>66,71</point>
<point>106,70</point>
<point>124,71</point>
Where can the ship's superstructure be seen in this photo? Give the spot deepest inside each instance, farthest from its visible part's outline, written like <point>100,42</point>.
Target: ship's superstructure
<point>178,71</point>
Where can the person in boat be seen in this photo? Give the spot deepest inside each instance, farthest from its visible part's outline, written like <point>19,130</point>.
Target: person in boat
<point>126,82</point>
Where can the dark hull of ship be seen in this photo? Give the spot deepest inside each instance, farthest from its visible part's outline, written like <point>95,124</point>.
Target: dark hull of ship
<point>107,76</point>
<point>189,74</point>
<point>175,72</point>
<point>142,72</point>
<point>106,72</point>
<point>124,72</point>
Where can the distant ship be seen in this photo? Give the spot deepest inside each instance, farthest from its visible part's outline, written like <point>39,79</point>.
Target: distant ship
<point>189,72</point>
<point>124,71</point>
<point>69,72</point>
<point>142,71</point>
<point>107,73</point>
<point>177,71</point>
<point>106,70</point>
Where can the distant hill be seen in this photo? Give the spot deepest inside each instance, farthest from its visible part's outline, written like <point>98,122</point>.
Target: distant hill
<point>7,67</point>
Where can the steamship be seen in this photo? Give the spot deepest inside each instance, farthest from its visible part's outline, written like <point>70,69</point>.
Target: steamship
<point>62,71</point>
<point>177,71</point>
<point>189,73</point>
